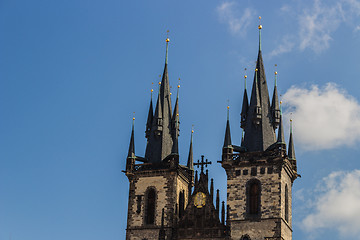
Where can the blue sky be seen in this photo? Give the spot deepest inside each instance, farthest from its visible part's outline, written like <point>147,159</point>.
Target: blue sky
<point>73,72</point>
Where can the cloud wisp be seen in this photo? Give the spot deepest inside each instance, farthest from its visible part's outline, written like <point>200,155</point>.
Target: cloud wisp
<point>324,118</point>
<point>228,12</point>
<point>337,205</point>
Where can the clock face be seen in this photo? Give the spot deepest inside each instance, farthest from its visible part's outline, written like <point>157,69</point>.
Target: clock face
<point>200,199</point>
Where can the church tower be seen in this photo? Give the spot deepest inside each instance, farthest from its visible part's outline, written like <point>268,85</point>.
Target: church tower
<point>159,186</point>
<point>261,171</point>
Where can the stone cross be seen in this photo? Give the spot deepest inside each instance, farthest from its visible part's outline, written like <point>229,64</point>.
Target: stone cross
<point>202,163</point>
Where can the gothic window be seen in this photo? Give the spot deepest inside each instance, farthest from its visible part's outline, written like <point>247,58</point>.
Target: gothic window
<point>181,203</point>
<point>138,200</point>
<point>286,203</point>
<point>150,206</point>
<point>253,197</point>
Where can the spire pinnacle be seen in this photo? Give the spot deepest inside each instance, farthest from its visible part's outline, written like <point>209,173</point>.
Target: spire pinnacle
<point>167,46</point>
<point>260,27</point>
<point>291,151</point>
<point>245,76</point>
<point>275,75</point>
<point>190,163</point>
<point>227,139</point>
<point>131,152</point>
<point>281,138</point>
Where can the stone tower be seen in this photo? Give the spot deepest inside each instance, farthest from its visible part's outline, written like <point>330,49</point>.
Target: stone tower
<point>158,183</point>
<point>261,171</point>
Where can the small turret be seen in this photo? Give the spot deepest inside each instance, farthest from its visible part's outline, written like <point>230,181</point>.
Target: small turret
<point>130,160</point>
<point>190,162</point>
<point>275,111</point>
<point>150,117</point>
<point>257,110</point>
<point>291,151</point>
<point>227,148</point>
<point>245,106</point>
<point>280,138</point>
<point>212,190</point>
<point>217,203</point>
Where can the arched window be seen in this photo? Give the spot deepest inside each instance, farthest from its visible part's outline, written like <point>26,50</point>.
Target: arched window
<point>253,197</point>
<point>181,203</point>
<point>286,203</point>
<point>245,237</point>
<point>150,206</point>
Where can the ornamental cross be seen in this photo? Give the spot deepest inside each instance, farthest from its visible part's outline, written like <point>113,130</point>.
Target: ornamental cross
<point>202,163</point>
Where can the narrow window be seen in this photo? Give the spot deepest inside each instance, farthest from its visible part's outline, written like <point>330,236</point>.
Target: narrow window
<point>254,197</point>
<point>138,204</point>
<point>286,203</point>
<point>150,207</point>
<point>181,203</point>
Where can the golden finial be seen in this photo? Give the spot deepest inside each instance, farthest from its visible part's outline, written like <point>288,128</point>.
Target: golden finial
<point>179,83</point>
<point>177,114</point>
<point>192,128</point>
<point>167,36</point>
<point>245,73</point>
<point>159,83</point>
<point>260,26</point>
<point>256,70</point>
<point>275,69</point>
<point>152,84</point>
<point>228,107</point>
<point>280,102</point>
<point>133,116</point>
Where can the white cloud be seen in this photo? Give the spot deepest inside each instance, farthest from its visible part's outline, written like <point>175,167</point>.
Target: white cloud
<point>324,118</point>
<point>229,13</point>
<point>337,205</point>
<point>286,46</point>
<point>316,24</point>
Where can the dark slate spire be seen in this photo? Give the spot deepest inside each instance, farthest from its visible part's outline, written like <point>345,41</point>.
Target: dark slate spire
<point>275,111</point>
<point>176,128</point>
<point>280,138</point>
<point>212,190</point>
<point>259,131</point>
<point>160,141</point>
<point>245,106</point>
<point>291,151</point>
<point>227,139</point>
<point>223,212</point>
<point>217,202</point>
<point>190,162</point>
<point>131,152</point>
<point>150,117</point>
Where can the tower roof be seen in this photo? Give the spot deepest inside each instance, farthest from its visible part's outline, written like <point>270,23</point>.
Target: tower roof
<point>131,152</point>
<point>190,162</point>
<point>227,139</point>
<point>160,141</point>
<point>259,132</point>
<point>291,151</point>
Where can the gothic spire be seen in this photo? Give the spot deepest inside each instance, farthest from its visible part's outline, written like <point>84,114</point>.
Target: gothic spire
<point>291,151</point>
<point>190,162</point>
<point>175,124</point>
<point>259,131</point>
<point>150,117</point>
<point>275,111</point>
<point>160,141</point>
<point>131,152</point>
<point>227,139</point>
<point>245,105</point>
<point>280,138</point>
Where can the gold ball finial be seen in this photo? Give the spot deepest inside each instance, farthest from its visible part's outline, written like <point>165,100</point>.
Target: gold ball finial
<point>259,17</point>
<point>152,90</point>
<point>260,27</point>
<point>167,40</point>
<point>167,36</point>
<point>133,118</point>
<point>192,131</point>
<point>177,114</point>
<point>179,86</point>
<point>256,70</point>
<point>159,83</point>
<point>280,102</point>
<point>228,107</point>
<point>245,76</point>
<point>275,72</point>
<point>290,120</point>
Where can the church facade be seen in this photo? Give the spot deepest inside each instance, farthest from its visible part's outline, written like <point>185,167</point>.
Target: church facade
<point>168,200</point>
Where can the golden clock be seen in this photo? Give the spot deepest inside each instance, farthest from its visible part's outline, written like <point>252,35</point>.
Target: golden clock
<point>200,199</point>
